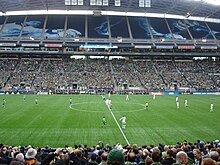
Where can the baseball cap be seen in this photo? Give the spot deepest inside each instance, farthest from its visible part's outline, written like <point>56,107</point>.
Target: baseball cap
<point>93,156</point>
<point>115,155</point>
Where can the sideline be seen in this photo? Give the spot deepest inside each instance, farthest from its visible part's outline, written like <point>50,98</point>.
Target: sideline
<point>117,122</point>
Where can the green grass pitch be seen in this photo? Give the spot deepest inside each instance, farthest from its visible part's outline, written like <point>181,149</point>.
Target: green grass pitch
<point>56,123</point>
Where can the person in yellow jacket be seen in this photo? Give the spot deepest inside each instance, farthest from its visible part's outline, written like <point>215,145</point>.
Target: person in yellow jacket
<point>146,105</point>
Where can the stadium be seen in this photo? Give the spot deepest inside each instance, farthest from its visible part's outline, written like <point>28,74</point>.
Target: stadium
<point>82,78</point>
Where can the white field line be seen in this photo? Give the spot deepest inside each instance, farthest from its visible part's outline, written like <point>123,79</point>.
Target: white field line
<point>117,123</point>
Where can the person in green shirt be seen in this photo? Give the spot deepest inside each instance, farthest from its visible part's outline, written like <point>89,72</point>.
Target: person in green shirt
<point>104,121</point>
<point>3,103</point>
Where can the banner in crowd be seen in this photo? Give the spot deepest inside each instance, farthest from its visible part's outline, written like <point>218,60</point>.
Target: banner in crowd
<point>171,93</point>
<point>164,46</point>
<point>30,45</point>
<point>143,46</point>
<point>206,93</point>
<point>186,47</point>
<point>99,46</point>
<point>8,44</point>
<point>156,93</point>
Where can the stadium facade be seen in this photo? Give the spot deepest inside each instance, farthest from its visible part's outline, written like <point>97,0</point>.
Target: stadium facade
<point>158,54</point>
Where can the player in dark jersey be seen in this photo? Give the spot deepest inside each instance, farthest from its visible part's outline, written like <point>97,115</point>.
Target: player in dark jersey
<point>104,121</point>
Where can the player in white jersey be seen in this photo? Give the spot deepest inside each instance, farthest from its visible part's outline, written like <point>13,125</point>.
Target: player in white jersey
<point>177,105</point>
<point>177,98</point>
<point>154,96</point>
<point>123,120</point>
<point>186,103</point>
<point>177,102</point>
<point>109,94</point>
<point>211,107</point>
<point>127,98</point>
<point>110,104</point>
<point>107,102</point>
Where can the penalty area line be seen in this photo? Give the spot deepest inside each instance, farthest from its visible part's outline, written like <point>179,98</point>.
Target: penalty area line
<point>117,123</point>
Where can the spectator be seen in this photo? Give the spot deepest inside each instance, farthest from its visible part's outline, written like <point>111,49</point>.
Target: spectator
<point>115,157</point>
<point>18,160</point>
<point>131,159</point>
<point>169,160</point>
<point>198,157</point>
<point>214,155</point>
<point>156,157</point>
<point>30,157</point>
<point>149,161</point>
<point>104,158</point>
<point>208,161</point>
<point>181,158</point>
<point>4,158</point>
<point>99,159</point>
<point>92,160</point>
<point>143,159</point>
<point>80,156</point>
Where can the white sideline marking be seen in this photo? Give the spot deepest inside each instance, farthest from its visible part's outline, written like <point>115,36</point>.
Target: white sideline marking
<point>117,124</point>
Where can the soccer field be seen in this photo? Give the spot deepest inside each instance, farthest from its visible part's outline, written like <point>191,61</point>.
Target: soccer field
<point>54,122</point>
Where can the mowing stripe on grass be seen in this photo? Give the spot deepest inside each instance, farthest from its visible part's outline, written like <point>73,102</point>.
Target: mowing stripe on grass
<point>116,122</point>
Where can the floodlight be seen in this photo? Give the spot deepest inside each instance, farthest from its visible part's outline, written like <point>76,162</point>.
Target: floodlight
<point>80,2</point>
<point>144,3</point>
<point>141,3</point>
<point>117,2</point>
<point>99,2</point>
<point>92,2</point>
<point>119,39</point>
<point>67,2</point>
<point>147,3</point>
<point>105,2</point>
<point>74,2</point>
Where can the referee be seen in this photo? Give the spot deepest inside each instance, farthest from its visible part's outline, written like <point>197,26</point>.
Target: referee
<point>146,105</point>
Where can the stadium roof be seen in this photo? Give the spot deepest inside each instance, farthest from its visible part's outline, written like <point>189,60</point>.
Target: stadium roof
<point>196,8</point>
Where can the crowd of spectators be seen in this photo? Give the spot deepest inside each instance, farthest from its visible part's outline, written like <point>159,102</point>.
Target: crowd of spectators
<point>98,74</point>
<point>125,74</point>
<point>6,69</point>
<point>197,73</point>
<point>149,77</point>
<point>24,73</point>
<point>50,74</point>
<point>170,74</point>
<point>186,153</point>
<point>152,75</point>
<point>213,69</point>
